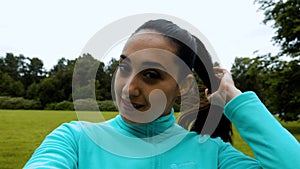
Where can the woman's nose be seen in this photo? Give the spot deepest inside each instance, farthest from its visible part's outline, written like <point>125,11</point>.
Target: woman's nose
<point>131,88</point>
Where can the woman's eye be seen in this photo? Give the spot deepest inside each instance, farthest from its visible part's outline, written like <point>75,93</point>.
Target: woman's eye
<point>151,75</point>
<point>124,68</point>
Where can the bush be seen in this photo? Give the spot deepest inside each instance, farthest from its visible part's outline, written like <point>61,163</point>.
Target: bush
<point>50,106</point>
<point>81,104</point>
<point>2,101</point>
<point>91,105</point>
<point>64,105</point>
<point>86,104</point>
<point>13,103</point>
<point>18,103</point>
<point>107,105</point>
<point>32,104</point>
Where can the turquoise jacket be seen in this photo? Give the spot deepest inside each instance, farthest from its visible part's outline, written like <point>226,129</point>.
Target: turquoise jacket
<point>163,144</point>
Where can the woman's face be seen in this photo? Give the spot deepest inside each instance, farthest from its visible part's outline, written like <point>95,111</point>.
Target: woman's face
<point>145,82</point>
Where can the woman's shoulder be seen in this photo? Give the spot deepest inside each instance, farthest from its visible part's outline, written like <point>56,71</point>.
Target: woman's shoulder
<point>77,128</point>
<point>205,139</point>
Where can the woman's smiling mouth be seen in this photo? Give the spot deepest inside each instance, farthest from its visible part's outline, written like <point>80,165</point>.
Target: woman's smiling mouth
<point>130,106</point>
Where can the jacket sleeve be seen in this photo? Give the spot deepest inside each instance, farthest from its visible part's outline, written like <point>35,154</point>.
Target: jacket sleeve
<point>272,144</point>
<point>229,157</point>
<point>58,150</point>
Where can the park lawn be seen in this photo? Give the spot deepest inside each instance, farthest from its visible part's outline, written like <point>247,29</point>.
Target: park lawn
<point>22,131</point>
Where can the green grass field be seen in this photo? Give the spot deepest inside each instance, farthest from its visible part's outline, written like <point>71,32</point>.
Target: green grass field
<point>22,131</point>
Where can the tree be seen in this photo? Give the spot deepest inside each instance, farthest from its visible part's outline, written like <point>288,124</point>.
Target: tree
<point>9,86</point>
<point>103,82</point>
<point>11,66</point>
<point>2,65</point>
<point>111,67</point>
<point>249,74</point>
<point>36,69</point>
<point>88,78</point>
<point>23,69</point>
<point>63,73</point>
<point>32,72</point>
<point>281,76</point>
<point>285,18</point>
<point>284,90</point>
<point>50,91</point>
<point>59,68</point>
<point>33,91</point>
<point>110,70</point>
<point>274,80</point>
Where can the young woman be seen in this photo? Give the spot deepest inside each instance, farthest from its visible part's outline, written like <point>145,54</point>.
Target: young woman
<point>155,68</point>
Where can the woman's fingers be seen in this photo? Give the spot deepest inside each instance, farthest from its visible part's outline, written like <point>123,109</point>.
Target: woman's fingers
<point>219,72</point>
<point>226,90</point>
<point>207,95</point>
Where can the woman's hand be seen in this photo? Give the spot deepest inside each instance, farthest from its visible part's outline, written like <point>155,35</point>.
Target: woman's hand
<point>226,90</point>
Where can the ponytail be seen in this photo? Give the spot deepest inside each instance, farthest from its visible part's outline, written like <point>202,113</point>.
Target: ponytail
<point>208,115</point>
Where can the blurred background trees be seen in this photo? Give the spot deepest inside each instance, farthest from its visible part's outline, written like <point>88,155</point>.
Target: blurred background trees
<point>24,83</point>
<point>23,79</point>
<point>275,77</point>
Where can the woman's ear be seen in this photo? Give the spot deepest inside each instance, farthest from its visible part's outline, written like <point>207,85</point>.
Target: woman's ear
<point>186,84</point>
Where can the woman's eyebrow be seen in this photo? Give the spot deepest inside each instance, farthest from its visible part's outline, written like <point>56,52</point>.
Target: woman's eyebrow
<point>146,64</point>
<point>124,57</point>
<point>153,65</point>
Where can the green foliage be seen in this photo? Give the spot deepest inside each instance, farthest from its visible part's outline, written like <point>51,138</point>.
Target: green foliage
<point>10,66</point>
<point>61,76</point>
<point>23,69</point>
<point>32,104</point>
<point>50,91</point>
<point>107,105</point>
<point>50,106</point>
<point>9,86</point>
<point>25,77</point>
<point>287,90</point>
<point>84,92</point>
<point>64,105</point>
<point>86,104</point>
<point>35,68</point>
<point>32,72</point>
<point>285,19</point>
<point>112,67</point>
<point>90,79</point>
<point>32,91</point>
<point>18,103</point>
<point>83,104</point>
<point>275,81</point>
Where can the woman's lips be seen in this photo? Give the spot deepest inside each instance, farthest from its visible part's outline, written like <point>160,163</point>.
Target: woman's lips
<point>130,106</point>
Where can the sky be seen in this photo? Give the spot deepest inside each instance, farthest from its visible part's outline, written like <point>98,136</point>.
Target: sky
<point>54,29</point>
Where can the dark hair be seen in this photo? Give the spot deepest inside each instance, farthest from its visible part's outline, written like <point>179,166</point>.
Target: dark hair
<point>192,51</point>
